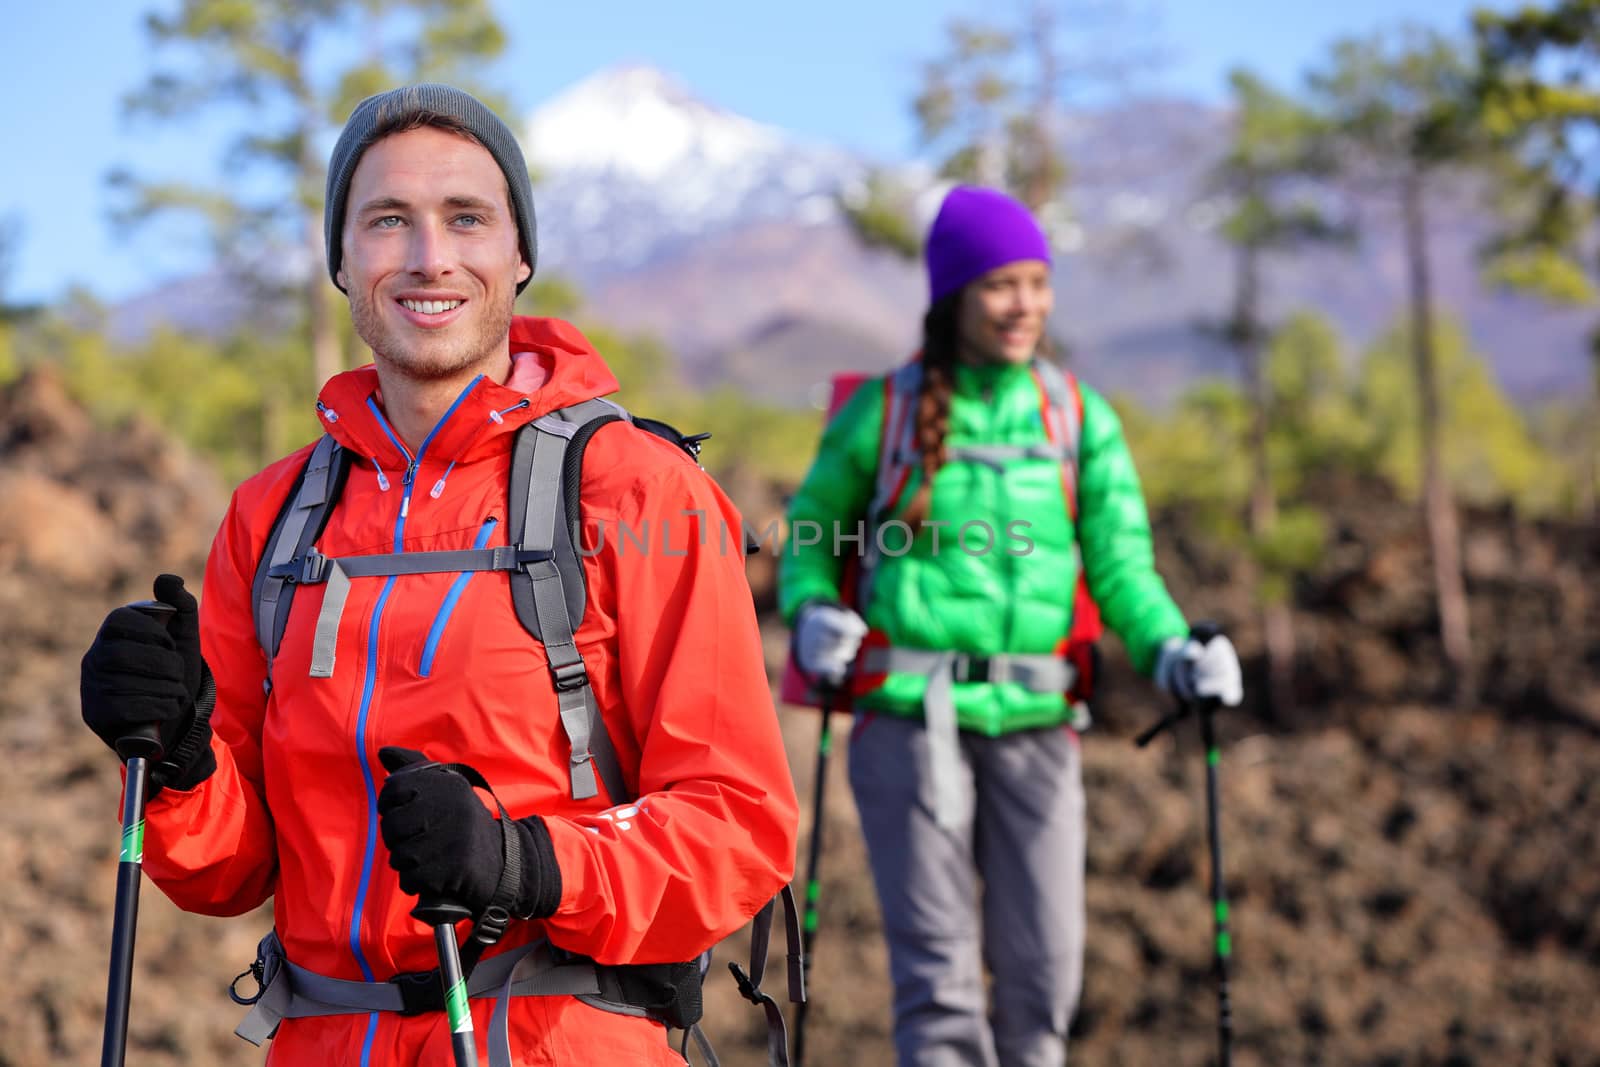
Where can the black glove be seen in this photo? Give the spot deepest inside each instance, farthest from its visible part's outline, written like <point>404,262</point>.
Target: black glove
<point>446,846</point>
<point>145,671</point>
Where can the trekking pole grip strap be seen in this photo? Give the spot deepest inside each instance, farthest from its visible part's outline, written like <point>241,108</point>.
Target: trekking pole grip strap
<point>490,926</point>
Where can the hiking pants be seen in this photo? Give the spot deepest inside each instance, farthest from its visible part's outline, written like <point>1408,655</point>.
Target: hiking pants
<point>1004,889</point>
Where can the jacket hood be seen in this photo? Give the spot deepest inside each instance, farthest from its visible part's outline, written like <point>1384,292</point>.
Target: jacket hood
<point>552,366</point>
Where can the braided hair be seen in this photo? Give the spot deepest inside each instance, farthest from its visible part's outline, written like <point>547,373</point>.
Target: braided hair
<point>941,342</point>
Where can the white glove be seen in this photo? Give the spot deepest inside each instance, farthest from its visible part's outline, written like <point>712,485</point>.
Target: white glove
<point>826,640</point>
<point>1191,671</point>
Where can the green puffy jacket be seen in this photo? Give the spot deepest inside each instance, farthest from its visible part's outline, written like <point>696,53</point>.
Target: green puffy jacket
<point>1009,592</point>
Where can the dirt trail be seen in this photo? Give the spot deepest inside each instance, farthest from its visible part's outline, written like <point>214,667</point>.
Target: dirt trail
<point>1411,884</point>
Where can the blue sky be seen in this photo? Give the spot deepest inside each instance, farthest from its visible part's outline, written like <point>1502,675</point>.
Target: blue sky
<point>835,70</point>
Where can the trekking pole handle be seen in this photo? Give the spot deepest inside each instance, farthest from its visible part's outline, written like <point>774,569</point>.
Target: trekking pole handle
<point>1204,632</point>
<point>145,741</point>
<point>436,912</point>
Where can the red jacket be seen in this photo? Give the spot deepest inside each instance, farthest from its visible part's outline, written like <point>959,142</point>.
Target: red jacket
<point>439,662</point>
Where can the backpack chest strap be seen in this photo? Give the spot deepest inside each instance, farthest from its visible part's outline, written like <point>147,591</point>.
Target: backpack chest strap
<point>313,568</point>
<point>997,456</point>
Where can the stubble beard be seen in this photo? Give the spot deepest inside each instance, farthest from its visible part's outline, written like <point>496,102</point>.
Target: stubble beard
<point>420,358</point>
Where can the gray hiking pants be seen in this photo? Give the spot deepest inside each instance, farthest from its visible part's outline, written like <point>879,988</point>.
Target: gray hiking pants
<point>1021,839</point>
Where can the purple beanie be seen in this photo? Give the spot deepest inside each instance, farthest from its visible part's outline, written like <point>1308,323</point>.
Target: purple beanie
<point>976,231</point>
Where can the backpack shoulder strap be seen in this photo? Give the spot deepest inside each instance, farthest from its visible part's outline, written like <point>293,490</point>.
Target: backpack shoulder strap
<point>549,592</point>
<point>896,445</point>
<point>301,521</point>
<point>1063,421</point>
<point>895,459</point>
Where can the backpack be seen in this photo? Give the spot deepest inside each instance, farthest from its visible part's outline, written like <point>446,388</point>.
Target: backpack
<point>549,593</point>
<point>1061,408</point>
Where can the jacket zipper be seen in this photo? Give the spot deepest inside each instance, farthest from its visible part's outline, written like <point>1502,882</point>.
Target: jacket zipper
<point>447,607</point>
<point>370,685</point>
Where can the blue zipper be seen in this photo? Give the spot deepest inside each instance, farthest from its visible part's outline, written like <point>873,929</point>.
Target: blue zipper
<point>369,688</point>
<point>448,606</point>
<point>371,849</point>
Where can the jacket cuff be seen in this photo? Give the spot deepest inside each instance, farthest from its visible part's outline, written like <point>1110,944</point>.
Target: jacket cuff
<point>540,893</point>
<point>191,760</point>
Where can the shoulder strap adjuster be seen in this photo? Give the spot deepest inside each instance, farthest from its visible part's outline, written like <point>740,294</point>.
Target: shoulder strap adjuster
<point>525,556</point>
<point>569,676</point>
<point>309,569</point>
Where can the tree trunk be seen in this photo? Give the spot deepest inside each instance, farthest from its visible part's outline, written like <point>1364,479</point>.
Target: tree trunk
<point>1439,508</point>
<point>1039,177</point>
<point>326,358</point>
<point>1588,502</point>
<point>1277,621</point>
<point>323,332</point>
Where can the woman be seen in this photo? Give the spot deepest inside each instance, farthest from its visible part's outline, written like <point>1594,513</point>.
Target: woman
<point>982,476</point>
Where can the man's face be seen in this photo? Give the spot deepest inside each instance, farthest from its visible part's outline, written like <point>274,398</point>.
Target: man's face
<point>1003,313</point>
<point>431,259</point>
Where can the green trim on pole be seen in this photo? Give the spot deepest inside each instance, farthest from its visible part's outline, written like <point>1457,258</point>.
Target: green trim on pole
<point>1213,757</point>
<point>1222,913</point>
<point>133,843</point>
<point>455,1005</point>
<point>1224,945</point>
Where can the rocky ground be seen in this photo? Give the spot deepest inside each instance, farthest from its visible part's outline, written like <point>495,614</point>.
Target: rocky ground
<point>1412,883</point>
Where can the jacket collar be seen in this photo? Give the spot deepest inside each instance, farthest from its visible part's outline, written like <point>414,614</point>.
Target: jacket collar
<point>553,366</point>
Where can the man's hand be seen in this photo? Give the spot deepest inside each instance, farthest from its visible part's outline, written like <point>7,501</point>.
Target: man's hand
<point>826,639</point>
<point>1191,671</point>
<point>446,845</point>
<point>140,671</point>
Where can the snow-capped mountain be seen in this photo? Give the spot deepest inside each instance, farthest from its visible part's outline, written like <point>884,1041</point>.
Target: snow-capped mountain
<point>630,163</point>
<point>720,236</point>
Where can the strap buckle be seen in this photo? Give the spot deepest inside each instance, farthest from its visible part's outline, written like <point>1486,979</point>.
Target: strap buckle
<point>309,569</point>
<point>967,668</point>
<point>420,991</point>
<point>692,442</point>
<point>569,676</point>
<point>747,988</point>
<point>491,925</point>
<point>515,557</point>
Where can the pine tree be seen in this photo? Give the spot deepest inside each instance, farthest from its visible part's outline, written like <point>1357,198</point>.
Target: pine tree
<point>267,58</point>
<point>1539,94</point>
<point>991,109</point>
<point>1274,153</point>
<point>1395,110</point>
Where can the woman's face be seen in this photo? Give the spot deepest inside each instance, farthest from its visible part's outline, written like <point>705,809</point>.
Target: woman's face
<point>1003,313</point>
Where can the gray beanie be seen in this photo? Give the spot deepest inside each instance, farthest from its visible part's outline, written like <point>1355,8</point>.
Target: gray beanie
<point>397,105</point>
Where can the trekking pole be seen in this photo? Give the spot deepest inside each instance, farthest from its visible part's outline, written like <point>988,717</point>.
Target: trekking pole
<point>443,915</point>
<point>138,749</point>
<point>1223,943</point>
<point>1219,892</point>
<point>833,699</point>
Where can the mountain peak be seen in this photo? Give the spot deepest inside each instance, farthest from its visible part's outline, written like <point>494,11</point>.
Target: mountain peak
<point>642,122</point>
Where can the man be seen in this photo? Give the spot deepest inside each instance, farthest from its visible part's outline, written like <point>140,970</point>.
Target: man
<point>282,792</point>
